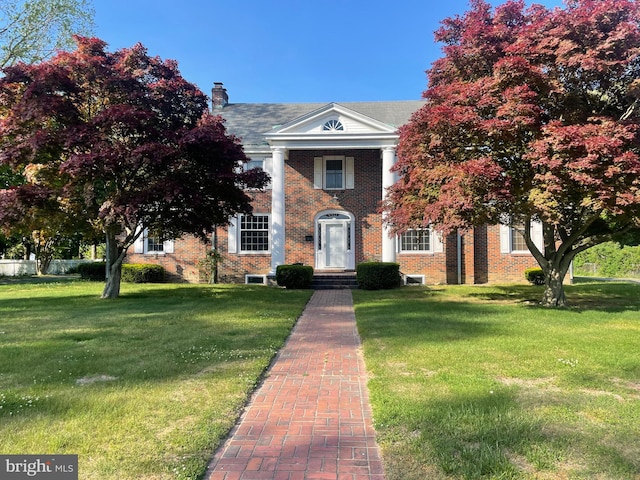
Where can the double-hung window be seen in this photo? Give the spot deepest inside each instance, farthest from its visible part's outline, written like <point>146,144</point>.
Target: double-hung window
<point>152,244</point>
<point>518,243</point>
<point>512,240</point>
<point>416,241</point>
<point>333,172</point>
<point>421,241</point>
<point>263,163</point>
<point>250,234</point>
<point>254,163</point>
<point>253,233</point>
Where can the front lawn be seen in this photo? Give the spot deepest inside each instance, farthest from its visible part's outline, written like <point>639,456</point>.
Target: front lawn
<point>480,382</point>
<point>142,387</point>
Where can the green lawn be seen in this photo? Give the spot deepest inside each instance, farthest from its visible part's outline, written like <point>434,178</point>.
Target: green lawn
<point>480,382</point>
<point>466,382</point>
<point>142,387</point>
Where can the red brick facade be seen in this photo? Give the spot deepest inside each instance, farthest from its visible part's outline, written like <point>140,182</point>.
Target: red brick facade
<point>182,264</point>
<point>303,202</point>
<point>474,257</point>
<point>233,266</point>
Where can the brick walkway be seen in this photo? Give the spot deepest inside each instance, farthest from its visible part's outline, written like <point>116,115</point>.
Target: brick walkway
<point>310,419</point>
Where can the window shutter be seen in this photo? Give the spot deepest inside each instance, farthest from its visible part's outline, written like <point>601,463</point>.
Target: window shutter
<point>505,239</point>
<point>318,164</point>
<point>438,241</point>
<point>536,234</point>
<point>167,246</point>
<point>349,170</point>
<point>232,235</point>
<point>138,245</point>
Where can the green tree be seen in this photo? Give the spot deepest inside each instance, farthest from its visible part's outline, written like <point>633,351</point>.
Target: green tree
<point>32,30</point>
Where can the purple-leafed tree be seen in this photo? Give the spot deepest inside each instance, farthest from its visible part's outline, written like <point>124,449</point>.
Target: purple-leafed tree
<point>531,115</point>
<point>120,143</point>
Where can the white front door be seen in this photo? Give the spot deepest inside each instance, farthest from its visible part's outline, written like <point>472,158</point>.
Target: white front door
<point>334,240</point>
<point>336,245</point>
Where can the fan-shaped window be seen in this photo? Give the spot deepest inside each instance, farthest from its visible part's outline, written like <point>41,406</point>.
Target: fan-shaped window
<point>333,126</point>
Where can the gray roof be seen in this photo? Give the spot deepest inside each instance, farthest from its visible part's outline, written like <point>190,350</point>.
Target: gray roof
<point>250,121</point>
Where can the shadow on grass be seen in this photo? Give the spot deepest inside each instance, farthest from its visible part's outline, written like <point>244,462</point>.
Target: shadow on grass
<point>600,296</point>
<point>37,279</point>
<point>429,321</point>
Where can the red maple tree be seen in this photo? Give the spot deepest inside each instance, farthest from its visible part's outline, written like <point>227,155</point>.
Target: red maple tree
<point>531,115</point>
<point>120,143</point>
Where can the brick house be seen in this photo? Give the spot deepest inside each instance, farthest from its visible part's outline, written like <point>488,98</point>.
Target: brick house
<point>330,165</point>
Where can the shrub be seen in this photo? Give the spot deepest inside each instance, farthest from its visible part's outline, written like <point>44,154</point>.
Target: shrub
<point>294,276</point>
<point>95,271</point>
<point>609,259</point>
<point>534,275</point>
<point>142,273</point>
<point>378,275</point>
<point>208,266</point>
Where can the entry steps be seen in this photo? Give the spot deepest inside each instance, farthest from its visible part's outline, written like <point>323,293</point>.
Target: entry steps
<point>334,281</point>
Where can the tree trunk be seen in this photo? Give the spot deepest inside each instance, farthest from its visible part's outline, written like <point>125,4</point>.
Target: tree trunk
<point>42,263</point>
<point>43,250</point>
<point>114,266</point>
<point>112,285</point>
<point>554,274</point>
<point>554,295</point>
<point>554,262</point>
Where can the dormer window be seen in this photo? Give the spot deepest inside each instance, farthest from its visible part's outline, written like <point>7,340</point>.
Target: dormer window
<point>333,126</point>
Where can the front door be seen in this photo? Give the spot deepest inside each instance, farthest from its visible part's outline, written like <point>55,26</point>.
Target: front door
<point>334,241</point>
<point>336,245</point>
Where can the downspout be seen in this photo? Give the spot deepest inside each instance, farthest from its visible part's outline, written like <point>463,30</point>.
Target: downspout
<point>459,256</point>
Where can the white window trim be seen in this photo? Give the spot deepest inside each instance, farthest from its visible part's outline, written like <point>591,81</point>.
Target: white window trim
<point>420,277</point>
<point>320,172</point>
<point>435,244</point>
<point>141,245</point>
<point>235,240</point>
<point>252,275</point>
<point>506,238</point>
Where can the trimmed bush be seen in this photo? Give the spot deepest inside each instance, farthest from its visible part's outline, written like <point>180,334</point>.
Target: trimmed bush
<point>294,276</point>
<point>142,273</point>
<point>95,271</point>
<point>534,275</point>
<point>378,275</point>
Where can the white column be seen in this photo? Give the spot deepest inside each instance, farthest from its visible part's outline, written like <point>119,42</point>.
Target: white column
<point>277,209</point>
<point>388,179</point>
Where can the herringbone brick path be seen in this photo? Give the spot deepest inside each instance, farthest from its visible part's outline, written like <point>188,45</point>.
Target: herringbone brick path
<point>310,419</point>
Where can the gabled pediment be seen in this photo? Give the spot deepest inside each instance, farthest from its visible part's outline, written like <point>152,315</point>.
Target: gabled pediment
<point>332,119</point>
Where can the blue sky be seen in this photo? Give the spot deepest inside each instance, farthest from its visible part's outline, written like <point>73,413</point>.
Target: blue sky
<point>288,50</point>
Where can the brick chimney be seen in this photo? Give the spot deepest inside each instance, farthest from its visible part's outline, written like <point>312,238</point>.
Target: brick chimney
<point>219,97</point>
